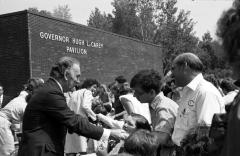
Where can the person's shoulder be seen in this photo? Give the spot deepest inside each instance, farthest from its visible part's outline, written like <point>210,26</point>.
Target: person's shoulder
<point>206,87</point>
<point>126,96</point>
<point>78,93</point>
<point>169,102</point>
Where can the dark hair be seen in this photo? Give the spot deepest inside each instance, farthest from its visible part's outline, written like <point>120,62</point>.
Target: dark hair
<point>32,85</point>
<point>227,85</point>
<point>141,121</point>
<point>147,80</point>
<point>212,78</point>
<point>100,109</point>
<point>120,79</point>
<point>89,82</point>
<point>62,65</point>
<point>229,31</point>
<point>142,143</point>
<point>166,89</point>
<point>191,60</point>
<point>124,91</point>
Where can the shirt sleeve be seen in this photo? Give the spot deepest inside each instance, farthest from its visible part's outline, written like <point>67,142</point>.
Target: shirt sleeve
<point>106,134</point>
<point>127,104</point>
<point>164,121</point>
<point>87,104</point>
<point>207,105</point>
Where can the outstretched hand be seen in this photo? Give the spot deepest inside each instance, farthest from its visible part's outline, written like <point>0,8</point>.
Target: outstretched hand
<point>119,134</point>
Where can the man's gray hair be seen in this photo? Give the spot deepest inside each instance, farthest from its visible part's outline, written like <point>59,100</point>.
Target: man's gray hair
<point>191,60</point>
<point>59,68</point>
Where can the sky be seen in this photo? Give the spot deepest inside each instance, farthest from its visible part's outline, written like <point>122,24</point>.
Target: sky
<point>204,13</point>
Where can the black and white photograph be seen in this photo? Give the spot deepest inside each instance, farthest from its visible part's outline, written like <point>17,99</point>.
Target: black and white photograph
<point>120,78</point>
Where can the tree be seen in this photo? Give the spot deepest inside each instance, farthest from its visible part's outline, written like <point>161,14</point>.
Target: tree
<point>212,55</point>
<point>125,21</point>
<point>42,12</point>
<point>100,21</point>
<point>62,12</point>
<point>145,13</point>
<point>175,31</point>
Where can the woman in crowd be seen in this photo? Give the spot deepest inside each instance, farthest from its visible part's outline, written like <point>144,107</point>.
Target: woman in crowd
<point>103,98</point>
<point>229,32</point>
<point>81,103</point>
<point>130,124</point>
<point>12,113</point>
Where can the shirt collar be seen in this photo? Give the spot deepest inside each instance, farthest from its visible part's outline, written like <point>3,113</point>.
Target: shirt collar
<point>60,86</point>
<point>23,93</point>
<point>156,100</point>
<point>194,83</point>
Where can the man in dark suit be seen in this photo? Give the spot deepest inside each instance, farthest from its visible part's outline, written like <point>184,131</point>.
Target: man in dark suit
<point>47,116</point>
<point>4,99</point>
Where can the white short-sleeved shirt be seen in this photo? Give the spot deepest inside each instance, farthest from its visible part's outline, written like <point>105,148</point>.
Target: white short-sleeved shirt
<point>199,101</point>
<point>228,99</point>
<point>163,112</point>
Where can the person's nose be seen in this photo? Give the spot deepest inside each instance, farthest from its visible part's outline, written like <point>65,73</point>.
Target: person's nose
<point>77,80</point>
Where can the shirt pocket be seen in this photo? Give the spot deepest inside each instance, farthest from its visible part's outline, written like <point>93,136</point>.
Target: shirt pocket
<point>191,114</point>
<point>183,118</point>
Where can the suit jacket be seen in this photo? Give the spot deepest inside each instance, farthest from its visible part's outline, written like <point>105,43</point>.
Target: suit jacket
<point>46,120</point>
<point>6,100</point>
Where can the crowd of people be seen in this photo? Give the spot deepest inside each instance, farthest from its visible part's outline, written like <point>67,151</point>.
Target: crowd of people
<point>183,113</point>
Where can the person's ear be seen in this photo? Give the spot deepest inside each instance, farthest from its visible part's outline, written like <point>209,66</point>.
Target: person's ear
<point>66,74</point>
<point>152,92</point>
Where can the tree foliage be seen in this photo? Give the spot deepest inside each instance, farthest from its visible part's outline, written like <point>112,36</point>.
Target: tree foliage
<point>147,25</point>
<point>162,23</point>
<point>62,12</point>
<point>126,21</point>
<point>42,12</point>
<point>212,55</point>
<point>175,31</point>
<point>100,21</point>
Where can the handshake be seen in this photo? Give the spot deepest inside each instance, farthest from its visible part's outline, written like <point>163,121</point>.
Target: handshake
<point>119,134</point>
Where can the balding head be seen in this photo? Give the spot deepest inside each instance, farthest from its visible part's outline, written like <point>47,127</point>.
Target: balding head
<point>189,59</point>
<point>67,72</point>
<point>185,68</point>
<point>62,65</point>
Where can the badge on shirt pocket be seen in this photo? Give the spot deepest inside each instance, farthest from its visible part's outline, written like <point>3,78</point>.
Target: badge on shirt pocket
<point>191,113</point>
<point>191,103</point>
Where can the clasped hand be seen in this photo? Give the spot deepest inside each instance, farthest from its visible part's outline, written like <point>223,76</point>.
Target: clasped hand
<point>119,134</point>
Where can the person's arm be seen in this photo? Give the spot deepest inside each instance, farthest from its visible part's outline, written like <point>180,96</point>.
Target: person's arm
<point>87,104</point>
<point>57,109</point>
<point>114,124</point>
<point>164,125</point>
<point>120,114</point>
<point>127,104</point>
